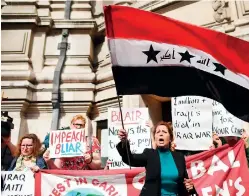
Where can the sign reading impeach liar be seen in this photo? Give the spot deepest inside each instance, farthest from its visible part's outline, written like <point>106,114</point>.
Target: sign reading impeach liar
<point>67,143</point>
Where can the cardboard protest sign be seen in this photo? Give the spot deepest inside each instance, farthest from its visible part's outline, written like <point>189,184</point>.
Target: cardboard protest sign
<point>17,183</point>
<point>224,123</point>
<point>135,120</point>
<point>67,143</point>
<point>192,122</point>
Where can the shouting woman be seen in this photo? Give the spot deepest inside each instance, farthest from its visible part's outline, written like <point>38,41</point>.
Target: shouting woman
<point>166,172</point>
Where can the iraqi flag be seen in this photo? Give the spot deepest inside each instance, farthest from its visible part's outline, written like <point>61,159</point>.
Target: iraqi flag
<point>153,54</point>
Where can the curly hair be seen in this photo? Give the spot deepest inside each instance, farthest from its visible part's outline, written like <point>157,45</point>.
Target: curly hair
<point>36,144</point>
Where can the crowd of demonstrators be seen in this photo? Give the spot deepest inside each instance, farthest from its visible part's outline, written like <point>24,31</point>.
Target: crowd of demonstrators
<point>166,172</point>
<point>31,154</point>
<point>28,155</point>
<point>90,160</point>
<point>165,166</point>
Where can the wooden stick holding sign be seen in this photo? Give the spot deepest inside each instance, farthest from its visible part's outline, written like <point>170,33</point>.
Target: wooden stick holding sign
<point>121,114</point>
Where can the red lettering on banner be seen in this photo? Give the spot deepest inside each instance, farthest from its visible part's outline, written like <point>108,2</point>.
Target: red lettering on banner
<point>56,192</point>
<point>57,137</point>
<point>63,136</point>
<point>114,116</point>
<point>103,185</point>
<point>61,187</point>
<point>95,182</point>
<point>67,181</point>
<point>110,190</point>
<point>58,149</point>
<point>130,116</point>
<point>127,115</point>
<point>81,180</point>
<point>69,137</point>
<point>138,114</point>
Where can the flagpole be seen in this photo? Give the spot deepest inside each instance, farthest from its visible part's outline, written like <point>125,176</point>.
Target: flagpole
<point>121,115</point>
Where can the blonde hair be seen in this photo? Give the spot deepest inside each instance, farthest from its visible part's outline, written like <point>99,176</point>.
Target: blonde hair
<point>78,117</point>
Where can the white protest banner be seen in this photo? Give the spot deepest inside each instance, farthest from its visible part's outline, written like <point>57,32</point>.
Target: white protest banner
<point>192,122</point>
<point>224,123</point>
<point>67,143</point>
<point>135,120</point>
<point>16,183</point>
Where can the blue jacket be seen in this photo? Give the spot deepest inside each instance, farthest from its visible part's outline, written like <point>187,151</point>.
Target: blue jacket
<point>40,162</point>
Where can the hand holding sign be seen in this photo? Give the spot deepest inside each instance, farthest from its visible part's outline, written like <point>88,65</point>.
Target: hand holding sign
<point>137,126</point>
<point>35,168</point>
<point>46,155</point>
<point>67,143</point>
<point>88,158</point>
<point>188,184</point>
<point>192,122</point>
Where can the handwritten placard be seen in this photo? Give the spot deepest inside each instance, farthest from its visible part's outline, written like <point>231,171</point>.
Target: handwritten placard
<point>192,122</point>
<point>135,120</point>
<point>67,143</point>
<point>224,123</point>
<point>17,183</point>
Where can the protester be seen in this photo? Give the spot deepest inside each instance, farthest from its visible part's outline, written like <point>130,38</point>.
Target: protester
<point>231,140</point>
<point>27,155</point>
<point>90,160</point>
<point>8,149</point>
<point>166,172</point>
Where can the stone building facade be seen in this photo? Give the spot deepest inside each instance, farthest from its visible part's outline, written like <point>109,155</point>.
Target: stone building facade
<point>30,35</point>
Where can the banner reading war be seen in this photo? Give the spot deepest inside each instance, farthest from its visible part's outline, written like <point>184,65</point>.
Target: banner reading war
<point>192,122</point>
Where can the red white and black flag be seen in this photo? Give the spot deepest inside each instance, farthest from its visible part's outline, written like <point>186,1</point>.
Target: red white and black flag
<point>153,54</point>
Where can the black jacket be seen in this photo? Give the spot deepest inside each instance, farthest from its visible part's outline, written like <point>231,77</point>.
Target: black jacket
<point>151,161</point>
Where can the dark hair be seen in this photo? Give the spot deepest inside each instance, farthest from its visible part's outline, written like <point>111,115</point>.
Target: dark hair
<point>36,143</point>
<point>169,127</point>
